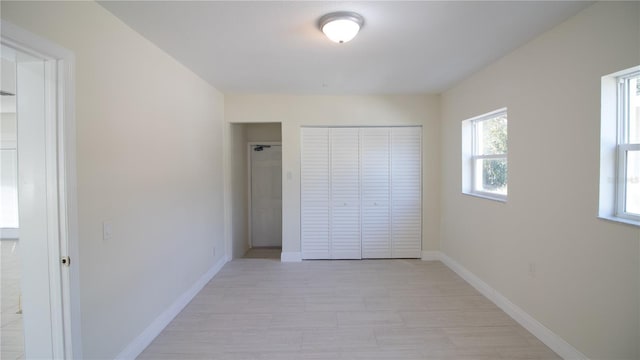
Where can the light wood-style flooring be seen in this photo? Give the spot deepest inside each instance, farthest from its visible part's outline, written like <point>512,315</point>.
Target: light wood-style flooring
<point>370,309</point>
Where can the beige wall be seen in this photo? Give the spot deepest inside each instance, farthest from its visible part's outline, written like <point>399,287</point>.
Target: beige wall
<point>586,286</point>
<point>149,159</point>
<point>296,111</point>
<point>264,132</point>
<point>239,190</point>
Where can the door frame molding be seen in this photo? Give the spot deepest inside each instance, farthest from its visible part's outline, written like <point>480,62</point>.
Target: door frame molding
<point>250,144</point>
<point>61,186</point>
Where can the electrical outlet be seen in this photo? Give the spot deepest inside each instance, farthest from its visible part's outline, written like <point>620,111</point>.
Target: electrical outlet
<point>532,269</point>
<point>107,230</point>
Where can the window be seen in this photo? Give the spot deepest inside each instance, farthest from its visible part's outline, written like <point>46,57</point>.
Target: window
<point>484,151</point>
<point>620,147</point>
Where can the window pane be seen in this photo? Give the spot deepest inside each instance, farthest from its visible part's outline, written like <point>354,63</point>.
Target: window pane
<point>491,176</point>
<point>633,128</point>
<point>492,135</point>
<point>632,198</point>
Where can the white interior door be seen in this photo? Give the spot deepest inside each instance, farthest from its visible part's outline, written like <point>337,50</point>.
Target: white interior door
<point>315,193</point>
<point>266,196</point>
<point>37,196</point>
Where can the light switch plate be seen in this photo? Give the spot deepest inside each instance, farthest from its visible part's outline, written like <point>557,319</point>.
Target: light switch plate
<point>107,230</point>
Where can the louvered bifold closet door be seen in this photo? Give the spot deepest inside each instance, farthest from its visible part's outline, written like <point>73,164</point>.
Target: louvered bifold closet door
<point>314,193</point>
<point>376,221</point>
<point>406,192</point>
<point>345,194</point>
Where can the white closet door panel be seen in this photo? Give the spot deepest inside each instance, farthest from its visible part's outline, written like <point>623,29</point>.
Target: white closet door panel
<point>361,193</point>
<point>314,193</point>
<point>406,192</point>
<point>376,222</point>
<point>345,194</point>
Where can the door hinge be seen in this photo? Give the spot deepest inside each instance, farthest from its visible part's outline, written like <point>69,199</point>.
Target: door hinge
<point>66,261</point>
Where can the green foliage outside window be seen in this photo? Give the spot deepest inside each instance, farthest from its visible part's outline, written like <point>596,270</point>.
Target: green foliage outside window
<point>495,171</point>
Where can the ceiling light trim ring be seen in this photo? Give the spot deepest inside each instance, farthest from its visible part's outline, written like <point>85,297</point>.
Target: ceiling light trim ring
<point>341,15</point>
<point>333,25</point>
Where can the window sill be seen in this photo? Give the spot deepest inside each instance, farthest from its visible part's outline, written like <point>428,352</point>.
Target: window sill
<point>620,220</point>
<point>501,199</point>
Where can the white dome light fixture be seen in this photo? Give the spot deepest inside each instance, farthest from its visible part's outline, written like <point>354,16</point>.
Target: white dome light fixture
<point>341,26</point>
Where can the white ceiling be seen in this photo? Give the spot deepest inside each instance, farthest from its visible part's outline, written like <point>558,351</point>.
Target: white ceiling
<point>276,47</point>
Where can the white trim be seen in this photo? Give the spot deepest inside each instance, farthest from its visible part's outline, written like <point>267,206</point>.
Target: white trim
<point>137,346</point>
<point>621,185</point>
<point>55,243</point>
<point>488,196</point>
<point>430,256</point>
<point>69,203</point>
<point>226,167</point>
<point>470,155</point>
<point>291,256</point>
<point>548,337</point>
<point>61,136</point>
<point>490,157</point>
<point>619,220</point>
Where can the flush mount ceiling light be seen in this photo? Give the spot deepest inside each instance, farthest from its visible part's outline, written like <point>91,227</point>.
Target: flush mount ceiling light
<point>341,26</point>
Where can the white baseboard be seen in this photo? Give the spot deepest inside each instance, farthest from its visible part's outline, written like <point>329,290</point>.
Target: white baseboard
<point>291,256</point>
<point>430,256</point>
<point>548,337</point>
<point>137,346</point>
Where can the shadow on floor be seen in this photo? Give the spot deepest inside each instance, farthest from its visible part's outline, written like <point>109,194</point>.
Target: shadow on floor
<point>263,253</point>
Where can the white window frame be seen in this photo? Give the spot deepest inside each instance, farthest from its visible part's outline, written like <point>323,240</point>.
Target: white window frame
<point>470,154</point>
<point>624,146</point>
<point>614,147</point>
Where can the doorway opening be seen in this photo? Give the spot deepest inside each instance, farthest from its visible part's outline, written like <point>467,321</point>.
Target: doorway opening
<point>265,199</point>
<point>255,190</point>
<point>11,336</point>
<point>40,318</point>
